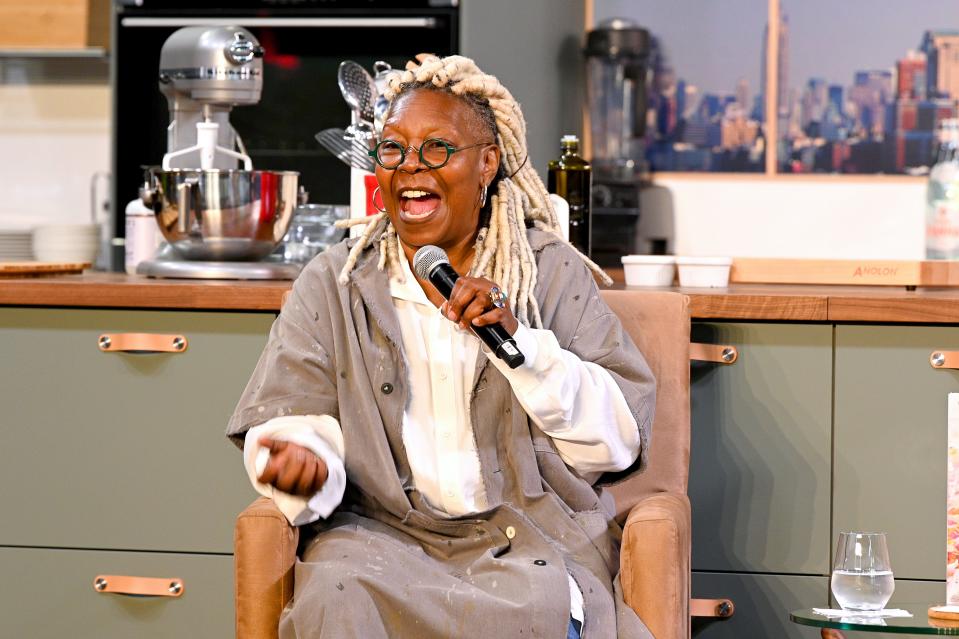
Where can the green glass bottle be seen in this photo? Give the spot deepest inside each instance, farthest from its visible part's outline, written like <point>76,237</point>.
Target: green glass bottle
<point>571,178</point>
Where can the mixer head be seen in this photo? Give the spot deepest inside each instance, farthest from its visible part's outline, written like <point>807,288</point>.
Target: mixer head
<point>216,65</point>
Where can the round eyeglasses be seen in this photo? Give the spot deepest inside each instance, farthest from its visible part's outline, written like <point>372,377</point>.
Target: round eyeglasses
<point>433,153</point>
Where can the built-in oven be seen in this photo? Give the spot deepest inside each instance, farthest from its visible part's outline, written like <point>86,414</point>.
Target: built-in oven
<point>304,43</point>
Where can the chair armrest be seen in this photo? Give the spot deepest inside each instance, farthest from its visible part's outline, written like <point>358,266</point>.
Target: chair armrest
<point>654,564</point>
<point>264,546</point>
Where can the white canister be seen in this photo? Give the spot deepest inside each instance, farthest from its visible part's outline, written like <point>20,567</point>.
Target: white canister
<point>142,236</point>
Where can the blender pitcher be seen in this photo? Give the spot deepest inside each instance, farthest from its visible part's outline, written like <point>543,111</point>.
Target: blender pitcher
<point>616,68</point>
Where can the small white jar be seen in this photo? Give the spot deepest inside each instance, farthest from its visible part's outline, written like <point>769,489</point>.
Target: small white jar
<point>142,235</point>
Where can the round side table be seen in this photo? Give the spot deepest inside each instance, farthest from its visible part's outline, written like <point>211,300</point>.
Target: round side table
<point>918,624</point>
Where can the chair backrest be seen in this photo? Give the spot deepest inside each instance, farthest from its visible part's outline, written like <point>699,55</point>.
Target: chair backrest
<point>658,323</point>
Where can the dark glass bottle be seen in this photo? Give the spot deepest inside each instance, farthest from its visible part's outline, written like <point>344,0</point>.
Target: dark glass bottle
<point>571,178</point>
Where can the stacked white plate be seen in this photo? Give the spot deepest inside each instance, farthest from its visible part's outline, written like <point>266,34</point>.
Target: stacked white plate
<point>15,246</point>
<point>66,242</point>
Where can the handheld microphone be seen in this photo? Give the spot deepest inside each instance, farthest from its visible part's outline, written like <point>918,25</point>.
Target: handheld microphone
<point>431,263</point>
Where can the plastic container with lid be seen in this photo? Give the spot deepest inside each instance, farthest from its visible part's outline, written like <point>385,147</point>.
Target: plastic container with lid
<point>649,270</point>
<point>704,272</point>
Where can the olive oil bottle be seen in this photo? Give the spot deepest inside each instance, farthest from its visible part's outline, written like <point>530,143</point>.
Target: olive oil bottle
<point>571,178</point>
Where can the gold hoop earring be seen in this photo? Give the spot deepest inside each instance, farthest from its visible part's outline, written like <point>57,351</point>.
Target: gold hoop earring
<point>373,200</point>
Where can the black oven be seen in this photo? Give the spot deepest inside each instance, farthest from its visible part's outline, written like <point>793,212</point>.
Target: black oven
<point>305,40</point>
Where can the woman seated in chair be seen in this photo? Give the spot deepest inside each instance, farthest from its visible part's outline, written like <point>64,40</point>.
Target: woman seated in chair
<point>453,496</point>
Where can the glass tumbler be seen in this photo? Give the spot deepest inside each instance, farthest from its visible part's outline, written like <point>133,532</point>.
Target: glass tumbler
<point>862,575</point>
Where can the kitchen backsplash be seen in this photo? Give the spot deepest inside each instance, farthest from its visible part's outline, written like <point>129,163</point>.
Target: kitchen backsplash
<point>54,136</point>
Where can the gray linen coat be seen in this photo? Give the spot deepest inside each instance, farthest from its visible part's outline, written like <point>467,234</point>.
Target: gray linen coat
<point>387,564</point>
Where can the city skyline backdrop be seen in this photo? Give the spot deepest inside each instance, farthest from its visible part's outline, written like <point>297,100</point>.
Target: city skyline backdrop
<point>854,93</point>
<point>713,43</point>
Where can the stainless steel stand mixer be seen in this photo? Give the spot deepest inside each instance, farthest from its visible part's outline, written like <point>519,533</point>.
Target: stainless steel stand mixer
<point>219,219</point>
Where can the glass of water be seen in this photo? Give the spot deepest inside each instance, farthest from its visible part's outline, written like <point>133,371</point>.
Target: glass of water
<point>862,575</point>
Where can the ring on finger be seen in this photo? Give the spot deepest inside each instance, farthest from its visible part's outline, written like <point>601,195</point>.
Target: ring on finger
<point>498,297</point>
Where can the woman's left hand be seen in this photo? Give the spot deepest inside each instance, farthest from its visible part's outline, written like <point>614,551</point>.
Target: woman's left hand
<point>471,304</point>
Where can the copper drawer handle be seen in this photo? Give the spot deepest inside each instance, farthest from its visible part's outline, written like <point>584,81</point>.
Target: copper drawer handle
<point>141,343</point>
<point>721,608</point>
<point>713,353</point>
<point>944,359</point>
<point>139,586</point>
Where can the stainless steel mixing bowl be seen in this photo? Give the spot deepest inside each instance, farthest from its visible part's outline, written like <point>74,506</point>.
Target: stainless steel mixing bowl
<point>222,215</point>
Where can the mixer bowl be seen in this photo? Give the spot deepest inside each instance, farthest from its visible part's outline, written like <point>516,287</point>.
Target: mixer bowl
<point>221,215</point>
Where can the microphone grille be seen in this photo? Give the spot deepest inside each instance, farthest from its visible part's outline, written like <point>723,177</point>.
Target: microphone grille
<point>426,258</point>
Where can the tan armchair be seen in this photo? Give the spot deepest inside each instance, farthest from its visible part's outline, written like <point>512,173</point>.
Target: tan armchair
<point>654,562</point>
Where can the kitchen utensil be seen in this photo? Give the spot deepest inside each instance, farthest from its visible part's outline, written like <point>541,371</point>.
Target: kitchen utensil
<point>359,91</point>
<point>357,88</point>
<point>381,105</point>
<point>222,215</point>
<point>350,151</point>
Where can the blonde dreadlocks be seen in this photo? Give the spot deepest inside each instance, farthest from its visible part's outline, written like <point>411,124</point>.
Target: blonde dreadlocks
<point>502,252</point>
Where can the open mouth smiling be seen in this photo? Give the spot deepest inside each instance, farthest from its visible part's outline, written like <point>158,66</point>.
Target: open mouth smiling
<point>417,203</point>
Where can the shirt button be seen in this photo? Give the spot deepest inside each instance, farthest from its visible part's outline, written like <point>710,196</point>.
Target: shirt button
<point>510,532</point>
<point>386,388</point>
<point>540,562</point>
<point>443,377</point>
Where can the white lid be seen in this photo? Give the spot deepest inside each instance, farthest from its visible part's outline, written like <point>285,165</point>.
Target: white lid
<point>704,261</point>
<point>648,259</point>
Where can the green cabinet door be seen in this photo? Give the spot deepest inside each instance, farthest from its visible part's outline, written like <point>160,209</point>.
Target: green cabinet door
<point>49,594</point>
<point>890,439</point>
<point>117,450</point>
<point>759,479</point>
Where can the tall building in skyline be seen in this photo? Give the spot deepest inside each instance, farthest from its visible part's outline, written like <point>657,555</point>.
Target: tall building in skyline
<point>782,67</point>
<point>942,63</point>
<point>911,76</point>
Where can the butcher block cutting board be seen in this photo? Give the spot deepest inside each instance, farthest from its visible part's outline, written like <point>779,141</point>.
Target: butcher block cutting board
<point>32,269</point>
<point>846,272</point>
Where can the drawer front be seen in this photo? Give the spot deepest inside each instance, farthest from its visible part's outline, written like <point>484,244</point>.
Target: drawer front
<point>763,604</point>
<point>890,462</point>
<point>118,450</point>
<point>760,456</point>
<point>50,594</point>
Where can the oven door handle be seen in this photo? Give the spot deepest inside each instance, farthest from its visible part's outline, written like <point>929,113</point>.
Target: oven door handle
<point>423,22</point>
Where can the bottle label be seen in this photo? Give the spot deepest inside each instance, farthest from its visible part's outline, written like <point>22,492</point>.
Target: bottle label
<point>942,227</point>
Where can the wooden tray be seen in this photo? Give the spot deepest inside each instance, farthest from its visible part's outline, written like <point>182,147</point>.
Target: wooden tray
<point>32,269</point>
<point>847,272</point>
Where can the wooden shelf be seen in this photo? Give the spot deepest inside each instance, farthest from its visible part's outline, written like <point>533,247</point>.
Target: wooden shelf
<point>90,53</point>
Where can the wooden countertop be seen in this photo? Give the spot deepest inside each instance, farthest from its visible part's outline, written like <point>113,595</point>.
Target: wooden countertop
<point>738,302</point>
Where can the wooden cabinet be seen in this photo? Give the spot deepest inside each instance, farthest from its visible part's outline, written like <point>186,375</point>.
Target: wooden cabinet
<point>54,24</point>
<point>117,451</point>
